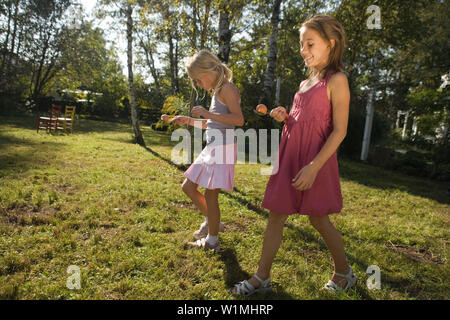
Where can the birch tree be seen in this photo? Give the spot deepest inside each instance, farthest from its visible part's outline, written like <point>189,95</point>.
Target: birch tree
<point>266,95</point>
<point>134,116</point>
<point>124,9</point>
<point>224,31</point>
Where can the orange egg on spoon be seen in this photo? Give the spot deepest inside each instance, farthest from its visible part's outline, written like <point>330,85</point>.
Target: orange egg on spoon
<point>261,108</point>
<point>165,118</point>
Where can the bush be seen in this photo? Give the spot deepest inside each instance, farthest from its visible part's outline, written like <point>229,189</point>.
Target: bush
<point>415,159</point>
<point>174,105</point>
<point>444,172</point>
<point>412,163</point>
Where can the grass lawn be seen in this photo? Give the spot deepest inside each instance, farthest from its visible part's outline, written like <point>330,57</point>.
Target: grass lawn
<point>116,210</point>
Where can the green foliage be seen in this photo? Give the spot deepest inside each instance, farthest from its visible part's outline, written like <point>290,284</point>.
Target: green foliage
<point>148,101</point>
<point>412,163</point>
<point>433,118</point>
<point>424,101</point>
<point>89,64</point>
<point>174,105</point>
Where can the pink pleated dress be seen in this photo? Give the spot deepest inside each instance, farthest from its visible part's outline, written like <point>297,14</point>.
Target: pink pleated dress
<point>308,127</point>
<point>214,166</point>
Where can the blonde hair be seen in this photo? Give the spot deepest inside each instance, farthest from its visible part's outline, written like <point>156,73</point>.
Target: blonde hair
<point>329,28</point>
<point>204,61</point>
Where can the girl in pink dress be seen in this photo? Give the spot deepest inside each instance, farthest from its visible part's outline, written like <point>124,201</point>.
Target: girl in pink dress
<point>214,167</point>
<point>307,180</point>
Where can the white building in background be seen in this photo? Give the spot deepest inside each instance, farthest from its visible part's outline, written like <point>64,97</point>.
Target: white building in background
<point>445,81</point>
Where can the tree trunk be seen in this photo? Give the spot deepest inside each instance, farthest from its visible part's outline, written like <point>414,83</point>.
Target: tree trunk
<point>194,27</point>
<point>151,64</point>
<point>176,58</point>
<point>224,31</point>
<point>392,108</point>
<point>134,117</point>
<point>5,44</point>
<point>20,38</point>
<point>36,86</point>
<point>205,24</point>
<point>266,96</point>
<point>172,63</point>
<point>45,70</point>
<point>13,40</point>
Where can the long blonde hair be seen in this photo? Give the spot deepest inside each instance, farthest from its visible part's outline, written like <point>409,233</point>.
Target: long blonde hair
<point>329,28</point>
<point>204,61</point>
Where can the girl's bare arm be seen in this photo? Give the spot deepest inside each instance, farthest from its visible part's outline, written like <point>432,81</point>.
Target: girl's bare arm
<point>197,122</point>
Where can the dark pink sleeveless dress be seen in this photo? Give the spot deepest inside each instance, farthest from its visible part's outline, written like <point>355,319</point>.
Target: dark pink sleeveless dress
<point>309,125</point>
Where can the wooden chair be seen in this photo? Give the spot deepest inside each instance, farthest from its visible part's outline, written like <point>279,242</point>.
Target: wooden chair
<point>50,123</point>
<point>67,120</point>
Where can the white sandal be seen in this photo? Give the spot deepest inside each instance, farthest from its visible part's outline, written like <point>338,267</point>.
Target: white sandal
<point>203,231</point>
<point>203,244</point>
<point>351,281</point>
<point>244,288</point>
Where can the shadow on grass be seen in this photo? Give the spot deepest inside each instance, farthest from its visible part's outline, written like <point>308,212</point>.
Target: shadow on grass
<point>160,138</point>
<point>7,140</point>
<point>241,196</point>
<point>151,138</point>
<point>84,126</point>
<point>35,154</point>
<point>233,272</point>
<point>380,178</point>
<point>181,167</point>
<point>80,126</point>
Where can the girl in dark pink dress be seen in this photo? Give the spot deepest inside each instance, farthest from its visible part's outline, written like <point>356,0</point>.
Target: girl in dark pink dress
<point>307,179</point>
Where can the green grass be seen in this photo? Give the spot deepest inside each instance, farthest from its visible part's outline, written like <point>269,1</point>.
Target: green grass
<point>116,210</point>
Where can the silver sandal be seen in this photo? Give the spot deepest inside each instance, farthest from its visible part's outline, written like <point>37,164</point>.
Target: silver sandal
<point>351,282</point>
<point>244,288</point>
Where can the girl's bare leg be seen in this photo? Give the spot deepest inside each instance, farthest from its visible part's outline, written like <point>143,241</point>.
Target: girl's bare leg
<point>190,189</point>
<point>213,210</point>
<point>273,237</point>
<point>335,244</point>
